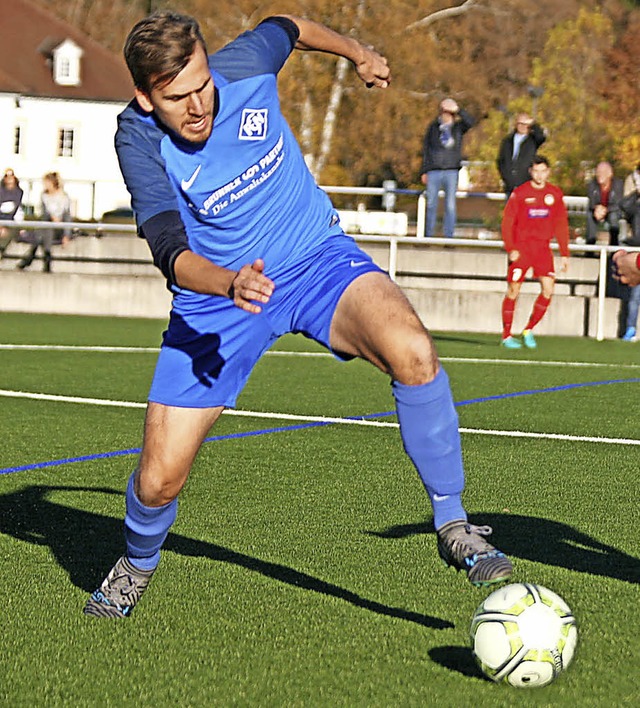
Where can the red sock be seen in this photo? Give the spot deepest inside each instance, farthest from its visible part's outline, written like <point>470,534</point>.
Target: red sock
<point>539,308</point>
<point>508,308</point>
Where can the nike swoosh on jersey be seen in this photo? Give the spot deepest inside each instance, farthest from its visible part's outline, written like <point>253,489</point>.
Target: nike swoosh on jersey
<point>186,183</point>
<point>355,264</point>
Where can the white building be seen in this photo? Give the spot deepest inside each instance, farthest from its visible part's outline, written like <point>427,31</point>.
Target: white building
<point>60,93</point>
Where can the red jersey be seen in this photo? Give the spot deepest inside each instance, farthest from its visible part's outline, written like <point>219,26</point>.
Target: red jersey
<point>535,215</point>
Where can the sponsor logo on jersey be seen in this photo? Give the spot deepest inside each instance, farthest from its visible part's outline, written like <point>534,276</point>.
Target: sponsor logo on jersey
<point>253,125</point>
<point>249,179</point>
<point>538,213</point>
<point>549,199</point>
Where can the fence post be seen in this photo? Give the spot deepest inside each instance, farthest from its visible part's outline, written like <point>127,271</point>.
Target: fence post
<point>602,291</point>
<point>421,219</point>
<point>389,196</point>
<point>393,258</point>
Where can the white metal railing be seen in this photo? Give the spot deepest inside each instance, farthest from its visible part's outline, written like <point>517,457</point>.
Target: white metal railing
<point>392,241</point>
<point>574,204</point>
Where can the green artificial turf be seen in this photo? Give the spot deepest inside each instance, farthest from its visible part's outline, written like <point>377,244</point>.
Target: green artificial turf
<point>302,570</point>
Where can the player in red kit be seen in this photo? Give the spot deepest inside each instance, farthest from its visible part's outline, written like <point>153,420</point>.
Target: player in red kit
<point>534,214</point>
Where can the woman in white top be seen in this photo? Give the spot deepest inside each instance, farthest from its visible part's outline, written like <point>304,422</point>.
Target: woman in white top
<point>55,205</point>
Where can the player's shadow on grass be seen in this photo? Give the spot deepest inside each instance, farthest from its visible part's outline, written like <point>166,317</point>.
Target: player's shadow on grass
<point>543,541</point>
<point>87,544</point>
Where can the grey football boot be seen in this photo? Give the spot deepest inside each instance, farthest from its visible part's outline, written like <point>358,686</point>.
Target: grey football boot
<point>119,592</point>
<point>463,546</point>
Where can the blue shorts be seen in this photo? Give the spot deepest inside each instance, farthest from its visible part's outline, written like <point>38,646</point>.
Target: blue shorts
<point>211,346</point>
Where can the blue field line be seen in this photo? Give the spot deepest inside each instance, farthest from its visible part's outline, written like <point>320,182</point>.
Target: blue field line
<point>312,424</point>
<point>551,389</point>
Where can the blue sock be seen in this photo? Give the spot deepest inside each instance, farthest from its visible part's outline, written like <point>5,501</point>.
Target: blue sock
<point>146,528</point>
<point>429,430</point>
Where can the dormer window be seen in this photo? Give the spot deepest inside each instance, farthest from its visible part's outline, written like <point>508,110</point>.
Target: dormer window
<point>66,63</point>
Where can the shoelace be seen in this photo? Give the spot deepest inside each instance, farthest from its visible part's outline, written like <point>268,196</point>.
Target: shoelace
<point>480,530</point>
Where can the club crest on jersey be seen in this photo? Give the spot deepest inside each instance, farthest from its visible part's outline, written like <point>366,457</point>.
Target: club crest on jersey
<point>253,125</point>
<point>549,199</point>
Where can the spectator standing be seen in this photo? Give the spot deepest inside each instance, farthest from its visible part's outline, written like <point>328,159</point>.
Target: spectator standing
<point>10,202</point>
<point>441,163</point>
<point>55,205</point>
<point>252,249</point>
<point>604,193</point>
<point>517,151</point>
<point>534,214</point>
<point>630,206</point>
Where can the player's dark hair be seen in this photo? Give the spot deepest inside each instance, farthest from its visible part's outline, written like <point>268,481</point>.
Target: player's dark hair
<point>159,47</point>
<point>540,160</point>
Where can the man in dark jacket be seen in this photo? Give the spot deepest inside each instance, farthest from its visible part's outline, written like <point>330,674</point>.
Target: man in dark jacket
<point>604,192</point>
<point>441,162</point>
<point>517,151</point>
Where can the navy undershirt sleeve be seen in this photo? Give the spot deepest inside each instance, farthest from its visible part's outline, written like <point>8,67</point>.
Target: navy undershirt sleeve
<point>167,239</point>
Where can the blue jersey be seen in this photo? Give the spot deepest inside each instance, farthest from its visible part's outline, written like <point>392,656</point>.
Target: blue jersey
<point>246,192</point>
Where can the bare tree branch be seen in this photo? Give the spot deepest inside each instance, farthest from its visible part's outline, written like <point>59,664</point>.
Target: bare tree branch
<point>335,101</point>
<point>443,14</point>
<point>331,116</point>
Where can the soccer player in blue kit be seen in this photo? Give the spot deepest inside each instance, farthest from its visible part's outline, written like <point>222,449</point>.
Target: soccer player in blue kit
<point>252,249</point>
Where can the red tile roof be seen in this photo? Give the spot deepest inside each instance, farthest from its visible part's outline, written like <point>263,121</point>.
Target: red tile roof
<point>26,30</point>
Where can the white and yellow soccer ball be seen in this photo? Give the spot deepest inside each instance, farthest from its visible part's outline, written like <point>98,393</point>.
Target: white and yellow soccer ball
<point>524,635</point>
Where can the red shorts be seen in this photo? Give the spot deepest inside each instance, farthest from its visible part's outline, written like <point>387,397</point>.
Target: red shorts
<point>536,256</point>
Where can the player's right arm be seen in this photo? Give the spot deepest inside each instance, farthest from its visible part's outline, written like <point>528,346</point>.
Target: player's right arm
<point>370,65</point>
<point>508,226</point>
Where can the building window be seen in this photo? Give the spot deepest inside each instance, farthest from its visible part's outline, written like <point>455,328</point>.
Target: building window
<point>17,140</point>
<point>64,69</point>
<point>65,142</point>
<point>66,63</point>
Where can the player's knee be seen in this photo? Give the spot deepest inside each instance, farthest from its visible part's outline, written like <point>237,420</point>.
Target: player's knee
<point>158,487</point>
<point>513,289</point>
<point>416,362</point>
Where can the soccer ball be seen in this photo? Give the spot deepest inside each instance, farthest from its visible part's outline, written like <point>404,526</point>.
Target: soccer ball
<point>524,635</point>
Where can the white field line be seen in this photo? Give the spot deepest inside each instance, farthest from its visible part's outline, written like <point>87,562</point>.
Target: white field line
<point>77,348</point>
<point>323,419</point>
<point>315,355</point>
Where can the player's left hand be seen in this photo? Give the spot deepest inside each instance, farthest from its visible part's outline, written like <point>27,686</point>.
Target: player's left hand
<point>372,68</point>
<point>251,286</point>
<point>564,264</point>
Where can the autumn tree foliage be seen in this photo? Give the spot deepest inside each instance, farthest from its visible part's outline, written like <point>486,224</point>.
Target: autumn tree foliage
<point>621,91</point>
<point>493,56</point>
